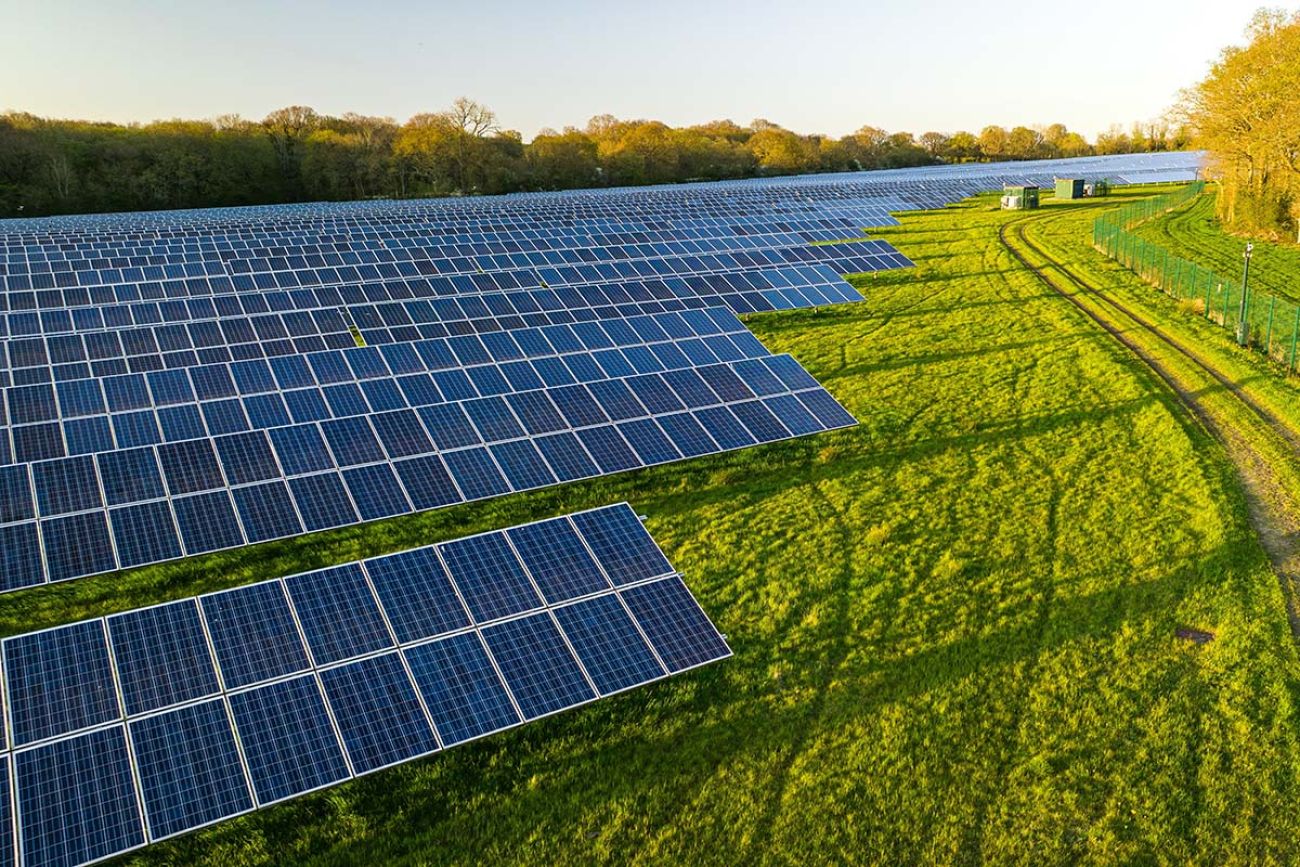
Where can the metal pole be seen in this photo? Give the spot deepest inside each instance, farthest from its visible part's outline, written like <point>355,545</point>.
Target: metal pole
<point>1243,330</point>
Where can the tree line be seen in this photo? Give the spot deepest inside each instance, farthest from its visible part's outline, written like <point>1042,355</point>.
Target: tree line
<point>1246,113</point>
<point>296,154</point>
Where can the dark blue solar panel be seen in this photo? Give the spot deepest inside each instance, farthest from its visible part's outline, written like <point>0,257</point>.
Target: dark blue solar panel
<point>338,613</point>
<point>567,456</point>
<point>760,421</point>
<point>608,644</point>
<point>376,491</point>
<point>490,577</point>
<point>725,383</point>
<point>676,626</point>
<point>20,556</point>
<point>190,466</point>
<point>723,427</point>
<point>301,449</point>
<point>537,412</point>
<point>687,435</point>
<point>648,441</point>
<point>38,442</point>
<point>267,512</point>
<point>427,482</point>
<point>247,457</point>
<point>77,801</point>
<point>522,465</point>
<point>610,451</point>
<point>793,414</point>
<point>621,543</point>
<point>190,771</point>
<point>130,476</point>
<point>162,656</point>
<point>476,474</point>
<point>289,742</point>
<point>254,634</point>
<point>145,533</point>
<point>16,503</point>
<point>66,485</point>
<point>59,681</point>
<point>449,425</point>
<point>352,441</point>
<point>77,545</point>
<point>461,688</point>
<point>557,559</point>
<point>617,400</point>
<point>378,713</point>
<point>577,406</point>
<point>207,522</point>
<point>493,419</point>
<point>87,436</point>
<point>790,372</point>
<point>825,408</point>
<point>416,594</point>
<point>322,501</point>
<point>402,434</point>
<point>537,665</point>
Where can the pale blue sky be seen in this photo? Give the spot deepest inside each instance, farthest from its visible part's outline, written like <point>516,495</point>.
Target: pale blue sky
<point>827,66</point>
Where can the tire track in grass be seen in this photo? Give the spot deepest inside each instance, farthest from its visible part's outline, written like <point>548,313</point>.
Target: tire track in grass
<point>1271,509</point>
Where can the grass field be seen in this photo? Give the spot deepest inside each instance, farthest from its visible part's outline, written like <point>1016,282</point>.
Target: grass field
<point>1193,233</point>
<point>954,625</point>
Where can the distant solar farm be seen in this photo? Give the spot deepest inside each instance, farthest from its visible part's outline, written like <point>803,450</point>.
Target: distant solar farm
<point>179,383</point>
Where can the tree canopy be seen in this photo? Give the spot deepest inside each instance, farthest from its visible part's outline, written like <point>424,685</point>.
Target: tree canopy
<point>296,154</point>
<point>1246,113</point>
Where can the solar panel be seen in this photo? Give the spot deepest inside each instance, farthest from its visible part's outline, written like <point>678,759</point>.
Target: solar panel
<point>461,688</point>
<point>379,715</point>
<point>537,665</point>
<point>59,681</point>
<point>288,738</point>
<point>608,643</point>
<point>338,612</point>
<point>254,634</point>
<point>77,800</point>
<point>162,656</point>
<point>153,722</point>
<point>189,766</point>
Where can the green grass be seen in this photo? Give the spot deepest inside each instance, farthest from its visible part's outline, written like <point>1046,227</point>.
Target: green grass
<point>954,625</point>
<point>1194,233</point>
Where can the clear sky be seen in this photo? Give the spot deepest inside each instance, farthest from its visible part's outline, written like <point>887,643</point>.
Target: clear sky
<point>827,66</point>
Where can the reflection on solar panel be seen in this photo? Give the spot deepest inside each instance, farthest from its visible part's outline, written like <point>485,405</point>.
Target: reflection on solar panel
<point>154,722</point>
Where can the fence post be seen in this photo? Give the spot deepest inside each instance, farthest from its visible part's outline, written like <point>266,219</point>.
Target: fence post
<point>1268,332</point>
<point>1295,331</point>
<point>1209,284</point>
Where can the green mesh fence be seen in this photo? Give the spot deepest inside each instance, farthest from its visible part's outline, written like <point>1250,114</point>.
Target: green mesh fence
<point>1273,323</point>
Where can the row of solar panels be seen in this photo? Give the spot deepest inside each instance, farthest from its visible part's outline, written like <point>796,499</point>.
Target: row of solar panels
<point>357,380</point>
<point>482,276</point>
<point>147,724</point>
<point>314,318</point>
<point>77,516</point>
<point>75,263</point>
<point>791,190</point>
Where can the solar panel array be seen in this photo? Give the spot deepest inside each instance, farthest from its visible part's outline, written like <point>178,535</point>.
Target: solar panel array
<point>143,725</point>
<point>185,382</point>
